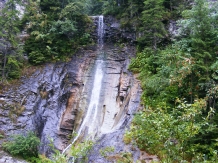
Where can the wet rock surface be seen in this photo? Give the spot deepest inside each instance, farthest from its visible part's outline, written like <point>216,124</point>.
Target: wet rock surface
<point>115,139</point>
<point>117,83</point>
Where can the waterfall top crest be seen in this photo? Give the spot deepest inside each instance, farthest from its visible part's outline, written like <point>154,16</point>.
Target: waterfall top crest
<point>100,30</point>
<point>99,20</point>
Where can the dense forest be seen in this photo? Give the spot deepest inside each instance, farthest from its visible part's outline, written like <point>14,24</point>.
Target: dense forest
<point>179,80</point>
<point>178,69</point>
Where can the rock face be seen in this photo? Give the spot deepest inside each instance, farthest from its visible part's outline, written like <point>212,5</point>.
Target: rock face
<point>113,33</point>
<point>5,158</point>
<point>46,102</point>
<point>128,101</point>
<point>117,84</point>
<point>2,4</point>
<point>54,100</point>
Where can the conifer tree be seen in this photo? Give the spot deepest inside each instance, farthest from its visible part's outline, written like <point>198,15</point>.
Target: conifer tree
<point>199,27</point>
<point>131,14</point>
<point>9,21</point>
<point>152,23</point>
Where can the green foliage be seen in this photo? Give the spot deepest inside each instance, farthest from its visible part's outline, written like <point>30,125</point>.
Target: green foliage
<point>179,131</point>
<point>162,74</point>
<point>1,136</point>
<point>59,157</point>
<point>105,151</point>
<point>36,57</point>
<point>9,20</point>
<point>148,18</point>
<point>10,49</point>
<point>182,69</point>
<point>94,7</point>
<point>125,157</point>
<point>13,68</point>
<point>110,7</point>
<point>55,31</point>
<point>152,20</point>
<point>176,7</point>
<point>40,159</point>
<point>172,130</point>
<point>23,145</point>
<point>80,151</point>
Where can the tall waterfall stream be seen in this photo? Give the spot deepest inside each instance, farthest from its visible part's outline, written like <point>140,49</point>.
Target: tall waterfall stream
<point>91,119</point>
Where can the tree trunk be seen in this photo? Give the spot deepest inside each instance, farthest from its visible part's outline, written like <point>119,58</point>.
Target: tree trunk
<point>155,41</point>
<point>171,7</point>
<point>4,65</point>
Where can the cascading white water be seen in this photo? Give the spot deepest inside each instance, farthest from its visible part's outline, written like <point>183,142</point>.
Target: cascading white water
<point>100,30</point>
<point>91,115</point>
<point>90,121</point>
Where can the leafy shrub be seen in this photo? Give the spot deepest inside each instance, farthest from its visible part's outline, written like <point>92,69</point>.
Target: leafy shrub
<point>104,152</point>
<point>170,133</point>
<point>13,68</point>
<point>59,157</point>
<point>81,150</point>
<point>40,159</point>
<point>23,145</point>
<point>36,57</point>
<point>1,136</point>
<point>78,152</point>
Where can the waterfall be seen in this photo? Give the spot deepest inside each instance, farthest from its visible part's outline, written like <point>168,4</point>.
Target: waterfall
<point>90,122</point>
<point>100,31</point>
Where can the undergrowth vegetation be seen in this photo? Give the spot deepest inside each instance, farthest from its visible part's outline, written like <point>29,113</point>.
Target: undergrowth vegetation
<point>179,81</point>
<point>23,145</point>
<point>26,146</point>
<point>171,133</point>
